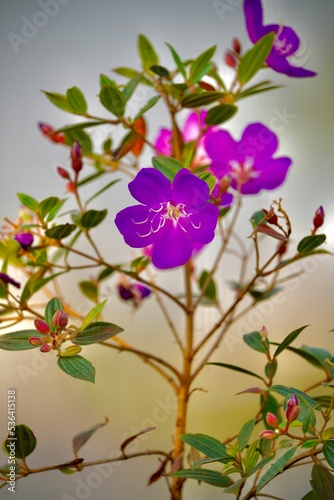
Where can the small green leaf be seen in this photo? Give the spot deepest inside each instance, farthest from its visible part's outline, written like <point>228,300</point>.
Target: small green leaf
<point>208,286</point>
<point>80,439</point>
<point>51,307</point>
<point>71,350</point>
<point>276,468</point>
<point>251,457</point>
<point>78,367</point>
<point>237,369</point>
<point>328,450</point>
<point>18,341</point>
<point>254,59</point>
<point>147,52</point>
<point>61,231</point>
<point>309,243</point>
<point>212,477</point>
<point>150,103</point>
<point>178,62</point>
<point>256,341</point>
<point>245,434</point>
<point>288,340</point>
<point>47,205</point>
<point>23,440</point>
<point>167,165</point>
<point>220,114</point>
<point>105,273</point>
<point>93,313</point>
<point>93,218</point>
<point>200,66</point>
<point>160,71</point>
<point>131,86</point>
<point>59,100</point>
<point>97,332</point>
<point>257,218</point>
<point>197,100</point>
<point>322,482</point>
<point>28,201</point>
<point>89,290</point>
<point>76,100</point>
<point>113,100</point>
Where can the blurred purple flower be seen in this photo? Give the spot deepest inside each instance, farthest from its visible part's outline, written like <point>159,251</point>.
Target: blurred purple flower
<point>172,217</point>
<point>25,240</point>
<point>7,279</point>
<point>286,41</point>
<point>191,132</point>
<point>133,292</point>
<point>249,162</point>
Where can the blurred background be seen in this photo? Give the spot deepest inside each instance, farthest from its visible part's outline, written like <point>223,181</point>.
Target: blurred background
<point>55,44</point>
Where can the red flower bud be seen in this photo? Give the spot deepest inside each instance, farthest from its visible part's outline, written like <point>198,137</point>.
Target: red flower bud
<point>70,187</point>
<point>35,341</point>
<point>319,218</point>
<point>45,348</point>
<point>206,86</point>
<point>271,217</point>
<point>283,248</point>
<point>60,319</point>
<point>63,173</point>
<point>292,408</point>
<point>271,419</point>
<point>268,434</point>
<point>41,326</point>
<point>76,157</point>
<point>230,60</point>
<point>47,130</point>
<point>236,45</point>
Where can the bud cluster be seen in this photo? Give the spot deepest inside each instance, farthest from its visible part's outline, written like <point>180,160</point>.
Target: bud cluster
<point>291,413</point>
<point>52,337</point>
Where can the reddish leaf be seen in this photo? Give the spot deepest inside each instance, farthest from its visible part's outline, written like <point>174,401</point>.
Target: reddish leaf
<point>263,228</point>
<point>158,473</point>
<point>139,127</point>
<point>132,438</point>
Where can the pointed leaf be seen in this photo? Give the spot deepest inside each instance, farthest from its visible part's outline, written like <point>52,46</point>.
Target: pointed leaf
<point>220,114</point>
<point>133,437</point>
<point>97,332</point>
<point>93,218</point>
<point>76,100</point>
<point>276,468</point>
<point>322,482</point>
<point>167,165</point>
<point>94,313</point>
<point>237,369</point>
<point>89,290</point>
<point>113,100</point>
<point>18,341</point>
<point>77,367</point>
<point>288,340</point>
<point>80,136</point>
<point>147,53</point>
<point>160,71</point>
<point>311,242</point>
<point>328,450</point>
<point>245,434</point>
<point>28,201</point>
<point>197,100</point>
<point>59,100</point>
<point>150,103</point>
<point>80,439</point>
<point>207,445</point>
<point>254,59</point>
<point>200,65</point>
<point>256,341</point>
<point>178,62</point>
<point>212,477</point>
<point>269,231</point>
<point>208,286</point>
<point>61,231</point>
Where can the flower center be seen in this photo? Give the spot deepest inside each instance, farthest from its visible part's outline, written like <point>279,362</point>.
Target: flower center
<point>243,172</point>
<point>282,46</point>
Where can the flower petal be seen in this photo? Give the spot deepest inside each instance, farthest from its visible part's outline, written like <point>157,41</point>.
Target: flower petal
<point>254,19</point>
<point>201,223</point>
<point>173,249</point>
<point>135,224</point>
<point>258,142</point>
<point>221,148</point>
<point>191,128</point>
<point>150,187</point>
<point>189,189</point>
<point>275,173</point>
<point>282,65</point>
<point>163,142</point>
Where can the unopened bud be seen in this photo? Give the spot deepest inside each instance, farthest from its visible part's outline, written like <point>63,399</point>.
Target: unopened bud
<point>206,86</point>
<point>48,131</point>
<point>35,341</point>
<point>283,248</point>
<point>76,157</point>
<point>45,348</point>
<point>271,419</point>
<point>268,434</point>
<point>236,45</point>
<point>271,217</point>
<point>25,240</point>
<point>292,408</point>
<point>319,218</point>
<point>70,187</point>
<point>63,173</point>
<point>264,332</point>
<point>60,319</point>
<point>230,60</point>
<point>41,326</point>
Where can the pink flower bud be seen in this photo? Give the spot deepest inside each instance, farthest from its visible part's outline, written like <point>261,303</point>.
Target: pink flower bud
<point>45,348</point>
<point>292,408</point>
<point>48,131</point>
<point>70,187</point>
<point>319,218</point>
<point>236,45</point>
<point>41,326</point>
<point>268,434</point>
<point>35,341</point>
<point>60,319</point>
<point>63,173</point>
<point>264,332</point>
<point>76,157</point>
<point>230,60</point>
<point>271,419</point>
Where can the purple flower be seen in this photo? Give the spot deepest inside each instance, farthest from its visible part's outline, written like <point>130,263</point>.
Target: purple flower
<point>133,292</point>
<point>7,279</point>
<point>25,240</point>
<point>172,217</point>
<point>286,42</point>
<point>191,132</point>
<point>249,163</point>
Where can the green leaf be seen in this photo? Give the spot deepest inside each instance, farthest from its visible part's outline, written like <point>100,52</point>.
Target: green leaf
<point>76,100</point>
<point>150,103</point>
<point>78,367</point>
<point>160,71</point>
<point>322,482</point>
<point>80,126</point>
<point>93,218</point>
<point>18,341</point>
<point>93,313</point>
<point>61,231</point>
<point>212,477</point>
<point>47,205</point>
<point>251,457</point>
<point>105,80</point>
<point>80,439</point>
<point>147,53</point>
<point>254,59</point>
<point>178,62</point>
<point>59,100</point>
<point>129,89</point>
<point>35,283</point>
<point>207,445</point>
<point>28,201</point>
<point>51,307</point>
<point>113,100</point>
<point>220,114</point>
<point>288,340</point>
<point>245,434</point>
<point>132,73</point>
<point>237,369</point>
<point>97,332</point>
<point>200,66</point>
<point>258,88</point>
<point>81,137</point>
<point>105,273</point>
<point>328,450</point>
<point>257,218</point>
<point>167,165</point>
<point>89,290</point>
<point>197,100</point>
<point>208,286</point>
<point>309,243</point>
<point>320,355</point>
<point>24,441</point>
<point>276,468</point>
<point>256,341</point>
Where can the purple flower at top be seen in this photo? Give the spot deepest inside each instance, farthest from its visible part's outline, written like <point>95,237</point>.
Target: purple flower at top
<point>191,132</point>
<point>7,279</point>
<point>172,217</point>
<point>286,42</point>
<point>249,163</point>
<point>25,240</point>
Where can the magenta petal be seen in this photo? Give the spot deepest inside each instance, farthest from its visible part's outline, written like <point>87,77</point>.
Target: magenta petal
<point>135,224</point>
<point>275,173</point>
<point>222,148</point>
<point>201,223</point>
<point>286,41</point>
<point>258,142</point>
<point>163,142</point>
<point>192,128</point>
<point>150,187</point>
<point>173,249</point>
<point>254,19</point>
<point>189,189</point>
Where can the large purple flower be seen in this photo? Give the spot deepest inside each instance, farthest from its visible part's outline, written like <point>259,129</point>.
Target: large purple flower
<point>249,163</point>
<point>173,217</point>
<point>286,41</point>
